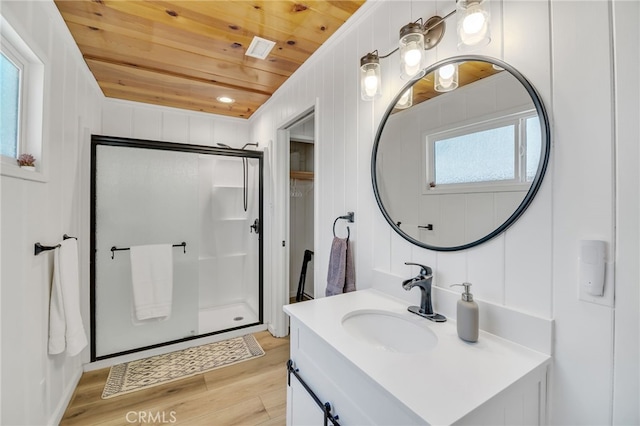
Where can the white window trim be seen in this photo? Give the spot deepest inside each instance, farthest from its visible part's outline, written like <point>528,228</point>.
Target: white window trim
<point>429,139</point>
<point>31,104</point>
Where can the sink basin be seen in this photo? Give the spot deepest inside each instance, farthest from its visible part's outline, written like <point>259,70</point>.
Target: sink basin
<point>389,331</point>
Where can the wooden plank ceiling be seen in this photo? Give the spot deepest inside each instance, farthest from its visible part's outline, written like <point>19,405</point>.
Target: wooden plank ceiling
<point>187,53</point>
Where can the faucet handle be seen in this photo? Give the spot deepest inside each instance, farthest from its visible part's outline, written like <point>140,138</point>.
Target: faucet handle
<point>425,270</point>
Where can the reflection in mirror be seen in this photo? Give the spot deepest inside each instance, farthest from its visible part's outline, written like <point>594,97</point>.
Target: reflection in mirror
<point>458,167</point>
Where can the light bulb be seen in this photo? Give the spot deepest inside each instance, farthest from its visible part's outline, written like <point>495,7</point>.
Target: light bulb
<point>412,55</point>
<point>446,78</point>
<point>411,45</point>
<point>371,83</point>
<point>446,72</point>
<point>473,23</point>
<point>411,71</point>
<point>406,100</point>
<point>370,77</point>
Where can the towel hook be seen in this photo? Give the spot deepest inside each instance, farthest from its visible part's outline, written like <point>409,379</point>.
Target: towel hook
<point>349,217</point>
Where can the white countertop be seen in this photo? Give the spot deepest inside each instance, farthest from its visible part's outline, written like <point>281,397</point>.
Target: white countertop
<point>442,385</point>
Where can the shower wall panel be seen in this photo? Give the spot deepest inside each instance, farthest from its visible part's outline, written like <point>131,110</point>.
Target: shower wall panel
<point>228,257</point>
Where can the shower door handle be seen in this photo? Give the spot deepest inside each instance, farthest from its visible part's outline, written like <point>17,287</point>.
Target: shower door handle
<point>255,227</point>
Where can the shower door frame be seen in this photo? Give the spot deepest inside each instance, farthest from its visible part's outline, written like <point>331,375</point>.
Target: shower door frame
<point>97,140</point>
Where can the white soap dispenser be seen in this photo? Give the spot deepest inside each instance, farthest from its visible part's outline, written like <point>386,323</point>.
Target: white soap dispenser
<point>467,315</point>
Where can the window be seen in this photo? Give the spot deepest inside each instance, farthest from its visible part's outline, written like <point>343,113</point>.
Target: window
<point>11,82</point>
<point>501,151</point>
<point>21,103</point>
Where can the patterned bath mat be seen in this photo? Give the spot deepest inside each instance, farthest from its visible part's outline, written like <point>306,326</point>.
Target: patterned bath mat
<point>156,370</point>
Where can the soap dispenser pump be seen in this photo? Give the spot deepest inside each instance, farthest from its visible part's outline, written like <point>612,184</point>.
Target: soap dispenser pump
<point>467,315</point>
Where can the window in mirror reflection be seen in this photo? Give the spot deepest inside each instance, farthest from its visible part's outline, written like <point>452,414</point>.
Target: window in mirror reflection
<point>504,151</point>
<point>534,141</point>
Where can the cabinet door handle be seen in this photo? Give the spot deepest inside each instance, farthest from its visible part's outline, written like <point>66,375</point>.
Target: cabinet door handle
<point>326,407</point>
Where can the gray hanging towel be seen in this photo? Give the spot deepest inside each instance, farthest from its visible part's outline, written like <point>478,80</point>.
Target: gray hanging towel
<point>341,275</point>
<point>350,276</point>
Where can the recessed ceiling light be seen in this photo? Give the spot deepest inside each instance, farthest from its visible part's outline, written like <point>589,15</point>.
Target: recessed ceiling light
<point>225,99</point>
<point>260,47</point>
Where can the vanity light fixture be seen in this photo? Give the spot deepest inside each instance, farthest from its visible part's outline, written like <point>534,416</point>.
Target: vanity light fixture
<point>412,53</point>
<point>416,37</point>
<point>446,78</point>
<point>406,100</point>
<point>473,24</point>
<point>370,76</point>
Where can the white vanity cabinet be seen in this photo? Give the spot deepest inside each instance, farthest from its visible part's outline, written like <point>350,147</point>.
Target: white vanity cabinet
<point>355,398</point>
<point>493,382</point>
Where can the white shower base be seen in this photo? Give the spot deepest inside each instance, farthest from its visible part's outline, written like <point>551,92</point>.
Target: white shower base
<point>225,317</point>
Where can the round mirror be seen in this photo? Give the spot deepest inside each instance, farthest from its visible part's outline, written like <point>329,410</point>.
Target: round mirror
<point>460,153</point>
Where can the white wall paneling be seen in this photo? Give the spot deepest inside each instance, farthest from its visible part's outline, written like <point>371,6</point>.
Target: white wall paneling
<point>36,386</point>
<point>590,190</point>
<point>626,409</point>
<point>532,267</point>
<point>142,121</point>
<point>583,208</point>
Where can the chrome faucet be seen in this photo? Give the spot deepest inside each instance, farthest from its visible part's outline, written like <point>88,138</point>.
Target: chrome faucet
<point>423,281</point>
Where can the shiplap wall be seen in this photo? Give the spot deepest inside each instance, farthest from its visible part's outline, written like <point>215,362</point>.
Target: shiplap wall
<point>347,126</point>
<point>533,266</point>
<point>36,386</point>
<point>142,121</point>
<point>626,382</point>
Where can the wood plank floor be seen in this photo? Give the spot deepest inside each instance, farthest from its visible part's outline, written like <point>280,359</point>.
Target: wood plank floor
<point>249,393</point>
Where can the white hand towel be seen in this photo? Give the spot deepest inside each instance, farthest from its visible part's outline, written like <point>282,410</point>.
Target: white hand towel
<point>152,278</point>
<point>65,322</point>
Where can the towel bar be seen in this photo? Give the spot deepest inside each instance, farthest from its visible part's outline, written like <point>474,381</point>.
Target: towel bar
<point>39,248</point>
<point>114,249</point>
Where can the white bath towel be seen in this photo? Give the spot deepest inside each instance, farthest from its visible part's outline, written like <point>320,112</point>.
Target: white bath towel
<point>152,278</point>
<point>65,323</point>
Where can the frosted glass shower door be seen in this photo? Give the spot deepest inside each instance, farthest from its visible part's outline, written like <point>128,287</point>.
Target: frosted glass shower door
<point>143,196</point>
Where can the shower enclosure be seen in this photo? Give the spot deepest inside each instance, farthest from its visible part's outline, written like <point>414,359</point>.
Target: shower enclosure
<point>204,201</point>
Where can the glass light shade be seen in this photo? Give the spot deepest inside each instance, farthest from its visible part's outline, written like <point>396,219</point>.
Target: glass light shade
<point>406,100</point>
<point>412,53</point>
<point>370,77</point>
<point>473,24</point>
<point>446,78</point>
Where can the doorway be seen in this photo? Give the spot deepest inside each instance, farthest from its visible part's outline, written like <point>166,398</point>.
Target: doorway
<point>301,208</point>
<point>287,255</point>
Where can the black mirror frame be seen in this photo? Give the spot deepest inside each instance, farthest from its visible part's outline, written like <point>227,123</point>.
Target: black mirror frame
<point>542,165</point>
